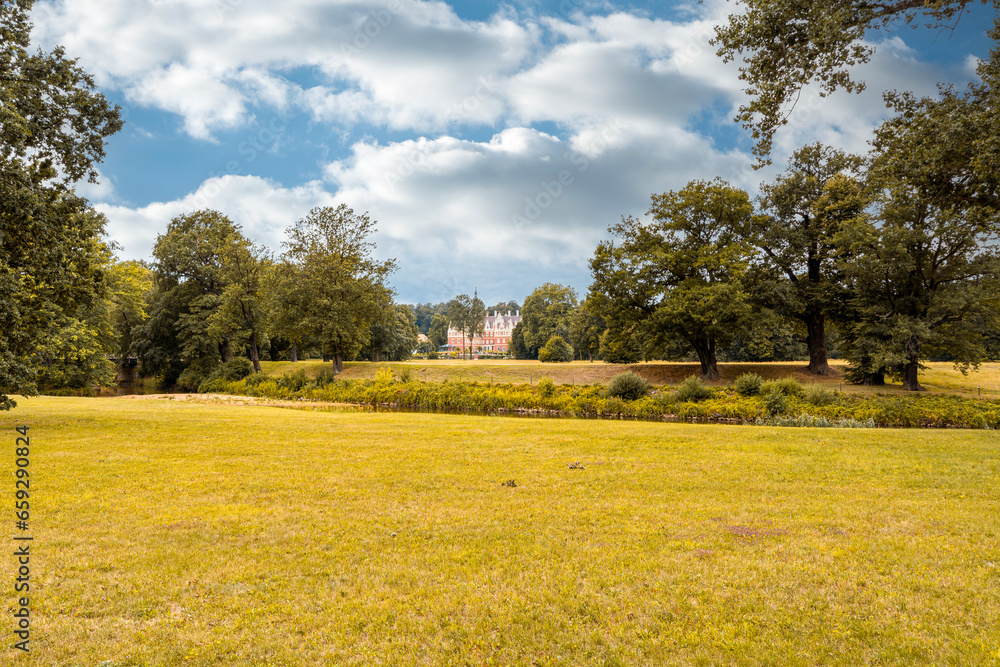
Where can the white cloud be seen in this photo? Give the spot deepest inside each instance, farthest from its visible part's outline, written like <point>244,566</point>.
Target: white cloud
<point>263,208</point>
<point>629,104</point>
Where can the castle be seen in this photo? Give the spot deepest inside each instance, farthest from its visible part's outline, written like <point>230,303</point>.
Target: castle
<point>497,330</point>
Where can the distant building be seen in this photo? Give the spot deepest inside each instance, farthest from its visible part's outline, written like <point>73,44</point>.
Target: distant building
<point>497,330</point>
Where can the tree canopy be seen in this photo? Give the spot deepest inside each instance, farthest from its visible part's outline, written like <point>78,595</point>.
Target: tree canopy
<point>53,127</point>
<point>336,286</point>
<point>679,276</point>
<point>786,45</point>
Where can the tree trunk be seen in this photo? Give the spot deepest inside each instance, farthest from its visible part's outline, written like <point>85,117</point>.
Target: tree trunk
<point>294,353</point>
<point>816,340</point>
<point>910,381</point>
<point>591,354</point>
<point>254,352</point>
<point>226,350</point>
<point>706,356</point>
<point>338,363</point>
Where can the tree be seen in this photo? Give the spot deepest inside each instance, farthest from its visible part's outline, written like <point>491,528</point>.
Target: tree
<point>339,288</point>
<point>467,315</point>
<point>556,349</point>
<point>183,333</point>
<point>925,274</point>
<point>424,313</point>
<point>586,328</point>
<point>53,125</point>
<point>393,335</point>
<point>679,276</point>
<point>504,306</point>
<point>548,311</point>
<point>438,331</point>
<point>130,286</point>
<point>806,208</point>
<point>517,346</point>
<point>244,306</point>
<point>789,45</point>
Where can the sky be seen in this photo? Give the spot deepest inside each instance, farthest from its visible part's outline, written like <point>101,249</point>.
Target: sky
<point>493,143</point>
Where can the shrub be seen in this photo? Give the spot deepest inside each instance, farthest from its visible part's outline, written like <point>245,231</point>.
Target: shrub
<point>432,354</point>
<point>547,388</point>
<point>693,389</point>
<point>784,386</point>
<point>628,386</point>
<point>556,349</point>
<point>384,375</point>
<point>234,369</point>
<point>294,380</point>
<point>215,386</point>
<point>256,379</point>
<point>325,377</point>
<point>819,395</point>
<point>195,374</point>
<point>404,375</point>
<point>748,384</point>
<point>776,403</point>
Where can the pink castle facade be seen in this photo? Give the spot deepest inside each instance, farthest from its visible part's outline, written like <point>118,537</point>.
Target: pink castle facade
<point>497,330</point>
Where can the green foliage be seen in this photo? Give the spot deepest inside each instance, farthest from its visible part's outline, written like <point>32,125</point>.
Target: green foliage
<point>678,278</point>
<point>556,349</point>
<point>201,370</point>
<point>235,369</point>
<point>693,389</point>
<point>586,328</point>
<point>331,286</point>
<point>783,386</point>
<point>184,327</point>
<point>748,384</point>
<point>393,335</point>
<point>53,125</point>
<point>468,315</point>
<point>775,403</point>
<point>628,386</point>
<point>438,332</point>
<point>433,354</point>
<point>384,376</point>
<point>816,394</point>
<point>546,388</point>
<point>548,311</point>
<point>294,381</point>
<point>788,45</point>
<point>517,346</point>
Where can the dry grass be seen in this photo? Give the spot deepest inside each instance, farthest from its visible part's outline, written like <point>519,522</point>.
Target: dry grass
<point>173,533</point>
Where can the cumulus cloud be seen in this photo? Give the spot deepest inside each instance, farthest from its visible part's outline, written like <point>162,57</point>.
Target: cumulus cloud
<point>262,207</point>
<point>493,147</point>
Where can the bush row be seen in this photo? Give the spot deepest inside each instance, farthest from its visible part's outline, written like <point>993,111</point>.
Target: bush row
<point>783,402</point>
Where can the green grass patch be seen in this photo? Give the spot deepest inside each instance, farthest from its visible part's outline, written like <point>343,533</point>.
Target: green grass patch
<point>174,533</point>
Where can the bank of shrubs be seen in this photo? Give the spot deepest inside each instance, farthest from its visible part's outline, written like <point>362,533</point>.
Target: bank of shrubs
<point>780,402</point>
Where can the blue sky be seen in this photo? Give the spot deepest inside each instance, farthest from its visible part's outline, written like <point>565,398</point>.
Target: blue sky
<point>493,143</point>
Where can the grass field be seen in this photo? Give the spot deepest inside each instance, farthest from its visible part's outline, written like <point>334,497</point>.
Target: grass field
<point>176,533</point>
<point>938,377</point>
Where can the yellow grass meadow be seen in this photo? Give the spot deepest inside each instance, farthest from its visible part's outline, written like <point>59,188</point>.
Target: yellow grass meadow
<point>173,532</point>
